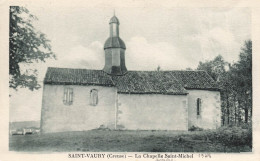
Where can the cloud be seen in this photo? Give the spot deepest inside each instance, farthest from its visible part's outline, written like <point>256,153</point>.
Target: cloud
<point>202,34</point>
<point>143,55</point>
<point>218,41</point>
<point>91,57</point>
<point>79,56</point>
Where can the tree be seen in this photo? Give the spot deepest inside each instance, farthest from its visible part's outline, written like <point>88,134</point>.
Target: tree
<point>26,45</point>
<point>235,84</point>
<point>215,68</point>
<point>242,76</point>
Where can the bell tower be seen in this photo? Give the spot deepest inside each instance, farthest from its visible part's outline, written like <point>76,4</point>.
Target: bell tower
<point>114,50</point>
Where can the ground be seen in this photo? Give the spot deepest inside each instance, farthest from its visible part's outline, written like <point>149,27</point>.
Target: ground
<point>120,141</point>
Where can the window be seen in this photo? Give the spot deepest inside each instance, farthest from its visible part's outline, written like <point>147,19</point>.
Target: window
<point>198,106</point>
<point>93,97</point>
<point>68,96</point>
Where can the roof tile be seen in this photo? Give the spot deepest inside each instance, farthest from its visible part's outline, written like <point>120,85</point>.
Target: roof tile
<point>77,77</point>
<point>138,82</point>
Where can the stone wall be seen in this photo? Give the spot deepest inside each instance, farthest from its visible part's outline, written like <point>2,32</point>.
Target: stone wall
<point>152,112</point>
<point>128,111</point>
<point>210,114</point>
<point>80,115</point>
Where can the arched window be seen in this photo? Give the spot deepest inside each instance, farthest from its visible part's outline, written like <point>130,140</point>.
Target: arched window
<point>198,106</point>
<point>93,97</point>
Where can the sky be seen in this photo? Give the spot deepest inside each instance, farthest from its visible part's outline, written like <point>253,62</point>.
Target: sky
<point>172,38</point>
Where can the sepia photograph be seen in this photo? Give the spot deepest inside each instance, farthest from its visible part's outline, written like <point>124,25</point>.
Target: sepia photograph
<point>121,79</point>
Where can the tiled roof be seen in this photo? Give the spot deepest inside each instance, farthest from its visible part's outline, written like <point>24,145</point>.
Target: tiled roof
<point>77,77</point>
<point>195,79</point>
<point>141,82</point>
<point>138,82</point>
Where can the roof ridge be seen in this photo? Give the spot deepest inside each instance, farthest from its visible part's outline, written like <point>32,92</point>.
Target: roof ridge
<point>166,71</point>
<point>74,68</point>
<point>128,70</point>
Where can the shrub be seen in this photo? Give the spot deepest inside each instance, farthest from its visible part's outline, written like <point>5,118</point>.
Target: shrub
<point>120,127</point>
<point>195,128</point>
<point>102,128</point>
<point>231,136</point>
<point>246,126</point>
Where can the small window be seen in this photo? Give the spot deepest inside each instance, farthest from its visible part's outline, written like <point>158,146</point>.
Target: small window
<point>93,97</point>
<point>68,96</point>
<point>198,106</point>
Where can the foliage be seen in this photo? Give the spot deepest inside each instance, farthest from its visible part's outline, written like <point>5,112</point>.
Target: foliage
<point>235,82</point>
<point>227,136</point>
<point>195,128</point>
<point>188,68</point>
<point>242,77</point>
<point>102,127</point>
<point>232,136</point>
<point>26,46</point>
<point>247,126</point>
<point>120,127</point>
<point>215,68</point>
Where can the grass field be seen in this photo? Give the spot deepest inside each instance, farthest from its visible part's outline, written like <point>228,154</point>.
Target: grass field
<point>120,141</point>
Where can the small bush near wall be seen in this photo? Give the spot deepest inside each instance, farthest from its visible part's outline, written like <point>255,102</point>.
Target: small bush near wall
<point>120,127</point>
<point>195,128</point>
<point>102,128</point>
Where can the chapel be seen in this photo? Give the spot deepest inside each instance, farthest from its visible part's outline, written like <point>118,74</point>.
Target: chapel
<point>117,98</point>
